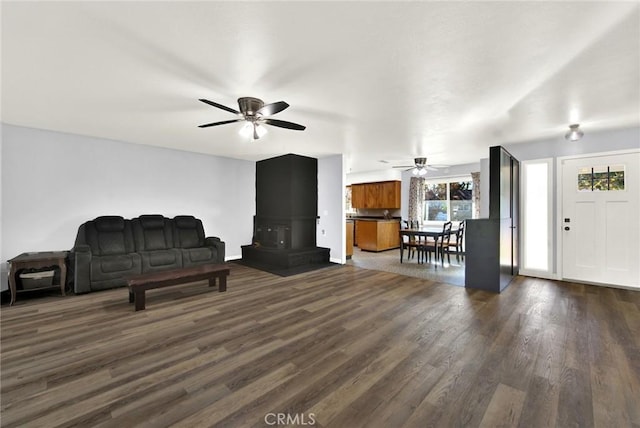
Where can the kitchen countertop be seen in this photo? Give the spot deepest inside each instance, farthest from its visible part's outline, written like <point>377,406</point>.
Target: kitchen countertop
<point>364,217</point>
<point>392,220</point>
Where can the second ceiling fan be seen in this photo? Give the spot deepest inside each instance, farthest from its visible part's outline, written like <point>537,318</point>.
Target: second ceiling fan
<point>420,166</point>
<point>254,111</point>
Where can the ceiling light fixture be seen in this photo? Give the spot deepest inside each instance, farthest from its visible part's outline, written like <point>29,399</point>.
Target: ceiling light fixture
<point>419,171</point>
<point>575,133</point>
<point>253,130</point>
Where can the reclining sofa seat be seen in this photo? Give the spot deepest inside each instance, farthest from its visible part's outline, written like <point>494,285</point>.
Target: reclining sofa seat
<point>153,236</point>
<point>104,253</point>
<point>188,235</point>
<point>108,249</point>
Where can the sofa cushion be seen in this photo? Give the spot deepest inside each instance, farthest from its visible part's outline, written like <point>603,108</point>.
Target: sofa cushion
<point>117,266</point>
<point>198,256</point>
<point>118,263</point>
<point>108,235</point>
<point>109,223</point>
<point>162,258</point>
<point>188,232</point>
<point>152,232</point>
<point>152,221</point>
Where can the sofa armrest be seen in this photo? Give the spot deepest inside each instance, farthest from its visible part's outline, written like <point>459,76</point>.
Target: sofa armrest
<point>81,263</point>
<point>214,241</point>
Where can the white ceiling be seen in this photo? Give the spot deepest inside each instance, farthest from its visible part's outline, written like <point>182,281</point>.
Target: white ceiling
<point>372,80</point>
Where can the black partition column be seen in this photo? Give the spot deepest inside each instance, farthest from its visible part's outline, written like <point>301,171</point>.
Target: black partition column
<point>491,244</point>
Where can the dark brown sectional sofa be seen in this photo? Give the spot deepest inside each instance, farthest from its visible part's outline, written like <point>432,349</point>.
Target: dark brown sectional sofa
<point>110,248</point>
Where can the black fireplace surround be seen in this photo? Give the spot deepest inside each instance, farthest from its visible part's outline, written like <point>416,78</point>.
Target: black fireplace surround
<point>284,231</point>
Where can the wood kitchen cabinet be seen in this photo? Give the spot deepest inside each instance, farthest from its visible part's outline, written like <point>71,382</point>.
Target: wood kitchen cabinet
<point>349,228</point>
<point>358,196</point>
<point>377,235</point>
<point>383,195</point>
<point>390,194</point>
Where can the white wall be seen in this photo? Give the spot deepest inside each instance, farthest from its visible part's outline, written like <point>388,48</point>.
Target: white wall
<point>52,182</point>
<point>373,176</point>
<point>331,225</point>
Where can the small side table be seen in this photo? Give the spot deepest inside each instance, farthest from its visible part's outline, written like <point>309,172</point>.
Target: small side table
<point>35,261</point>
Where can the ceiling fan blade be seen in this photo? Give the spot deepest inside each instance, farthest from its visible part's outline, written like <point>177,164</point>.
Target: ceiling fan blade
<point>436,167</point>
<point>273,108</point>
<point>220,106</point>
<point>285,124</point>
<point>404,166</point>
<point>224,122</point>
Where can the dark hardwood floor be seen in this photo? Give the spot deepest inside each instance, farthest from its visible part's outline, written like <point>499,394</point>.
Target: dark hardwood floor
<point>338,347</point>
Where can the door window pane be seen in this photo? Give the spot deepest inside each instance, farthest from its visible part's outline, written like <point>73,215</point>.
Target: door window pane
<point>616,177</point>
<point>584,180</point>
<point>601,178</point>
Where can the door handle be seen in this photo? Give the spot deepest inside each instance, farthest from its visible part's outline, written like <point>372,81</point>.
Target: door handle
<point>567,228</point>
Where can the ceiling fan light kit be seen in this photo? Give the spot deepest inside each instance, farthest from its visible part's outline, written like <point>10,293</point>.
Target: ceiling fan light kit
<point>419,171</point>
<point>253,130</point>
<point>575,133</point>
<point>253,111</point>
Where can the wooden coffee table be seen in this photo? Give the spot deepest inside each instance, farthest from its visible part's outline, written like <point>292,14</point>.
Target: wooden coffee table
<point>34,261</point>
<point>138,284</point>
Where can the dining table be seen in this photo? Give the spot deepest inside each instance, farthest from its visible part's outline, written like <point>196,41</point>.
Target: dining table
<point>434,232</point>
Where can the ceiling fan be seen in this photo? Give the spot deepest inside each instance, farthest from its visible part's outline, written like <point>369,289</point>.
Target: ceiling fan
<point>420,166</point>
<point>254,110</point>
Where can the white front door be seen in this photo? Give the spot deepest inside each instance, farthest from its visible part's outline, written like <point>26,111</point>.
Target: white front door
<point>600,222</point>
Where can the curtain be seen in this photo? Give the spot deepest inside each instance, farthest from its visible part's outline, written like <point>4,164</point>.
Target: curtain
<point>416,198</point>
<point>475,178</point>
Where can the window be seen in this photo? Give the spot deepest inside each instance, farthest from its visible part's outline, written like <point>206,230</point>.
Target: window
<point>448,201</point>
<point>601,178</point>
<point>435,202</point>
<point>537,220</point>
<point>348,208</point>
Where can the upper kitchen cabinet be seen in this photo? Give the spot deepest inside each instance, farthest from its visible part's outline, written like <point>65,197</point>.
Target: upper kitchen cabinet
<point>382,194</point>
<point>358,196</point>
<point>390,194</point>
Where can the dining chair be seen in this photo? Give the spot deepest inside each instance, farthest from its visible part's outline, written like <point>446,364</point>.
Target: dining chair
<point>457,244</point>
<point>405,239</point>
<point>414,244</point>
<point>411,240</point>
<point>440,246</point>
